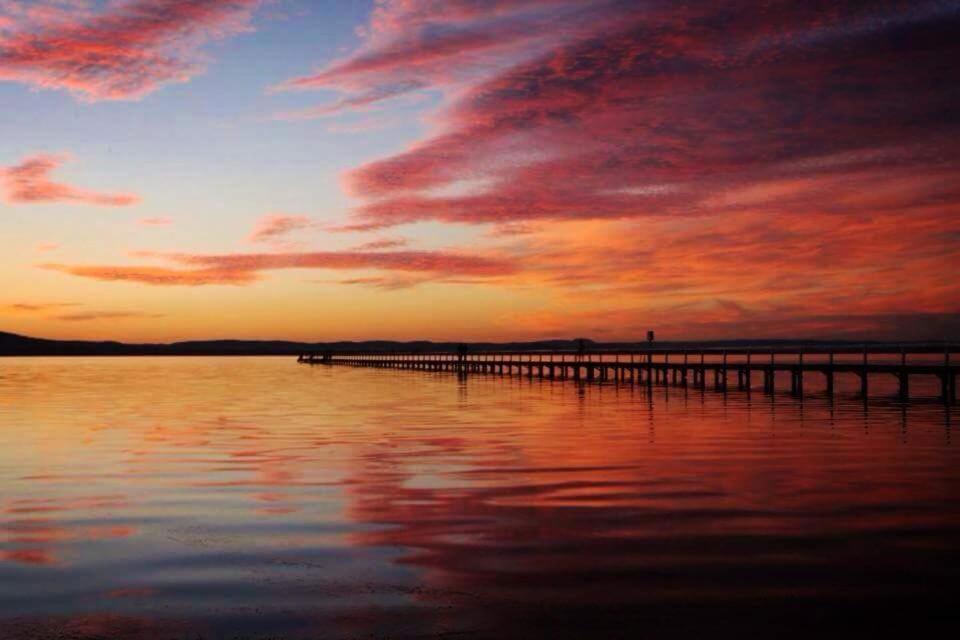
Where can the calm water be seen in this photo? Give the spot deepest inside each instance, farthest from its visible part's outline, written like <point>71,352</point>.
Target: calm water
<point>219,498</point>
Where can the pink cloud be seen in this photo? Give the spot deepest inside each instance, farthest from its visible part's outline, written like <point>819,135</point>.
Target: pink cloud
<point>29,183</point>
<point>708,171</point>
<point>403,261</point>
<point>390,283</point>
<point>124,50</point>
<point>276,227</point>
<point>383,243</point>
<point>399,282</point>
<point>612,110</point>
<point>725,167</point>
<point>357,102</point>
<point>44,247</point>
<point>367,125</point>
<point>410,46</point>
<point>240,269</point>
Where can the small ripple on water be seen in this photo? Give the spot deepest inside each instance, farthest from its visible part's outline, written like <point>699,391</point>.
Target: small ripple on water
<point>257,497</point>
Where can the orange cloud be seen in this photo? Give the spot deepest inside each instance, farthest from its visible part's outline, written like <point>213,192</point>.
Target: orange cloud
<point>34,307</point>
<point>156,275</point>
<point>688,166</point>
<point>88,316</point>
<point>29,183</point>
<point>239,269</point>
<point>747,274</point>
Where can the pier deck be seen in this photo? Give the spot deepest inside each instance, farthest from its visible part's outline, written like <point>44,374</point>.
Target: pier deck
<point>685,368</point>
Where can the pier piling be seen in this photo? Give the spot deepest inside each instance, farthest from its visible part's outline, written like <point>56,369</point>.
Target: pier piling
<point>655,366</point>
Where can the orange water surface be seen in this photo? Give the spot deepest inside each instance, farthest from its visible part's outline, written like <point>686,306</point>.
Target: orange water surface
<point>163,498</point>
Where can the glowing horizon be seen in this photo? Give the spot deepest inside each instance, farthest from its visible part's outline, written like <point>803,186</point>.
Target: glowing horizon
<point>478,170</point>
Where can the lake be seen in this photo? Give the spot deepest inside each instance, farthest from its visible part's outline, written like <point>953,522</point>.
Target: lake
<point>163,498</point>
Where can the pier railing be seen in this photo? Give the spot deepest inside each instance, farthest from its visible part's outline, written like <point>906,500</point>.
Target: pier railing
<point>685,367</point>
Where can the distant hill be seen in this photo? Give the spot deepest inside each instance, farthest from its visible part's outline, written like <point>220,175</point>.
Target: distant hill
<point>16,345</point>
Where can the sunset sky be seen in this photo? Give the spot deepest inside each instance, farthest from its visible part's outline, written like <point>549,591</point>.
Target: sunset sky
<point>479,169</point>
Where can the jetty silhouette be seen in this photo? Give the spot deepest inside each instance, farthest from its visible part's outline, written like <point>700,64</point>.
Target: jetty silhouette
<point>684,367</point>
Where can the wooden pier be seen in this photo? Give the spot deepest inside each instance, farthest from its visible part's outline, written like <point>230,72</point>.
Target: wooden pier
<point>720,369</point>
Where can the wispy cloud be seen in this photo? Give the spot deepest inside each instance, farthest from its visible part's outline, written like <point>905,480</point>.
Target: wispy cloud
<point>366,125</point>
<point>241,269</point>
<point>618,110</point>
<point>695,164</point>
<point>512,229</point>
<point>91,316</point>
<point>30,183</point>
<point>277,227</point>
<point>737,275</point>
<point>152,275</point>
<point>412,46</point>
<point>391,283</point>
<point>119,50</point>
<point>38,307</point>
<point>383,243</point>
<point>352,103</point>
<point>58,311</point>
<point>155,222</point>
<point>632,323</point>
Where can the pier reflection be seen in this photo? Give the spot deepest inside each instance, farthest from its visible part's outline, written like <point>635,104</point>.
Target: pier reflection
<point>254,497</point>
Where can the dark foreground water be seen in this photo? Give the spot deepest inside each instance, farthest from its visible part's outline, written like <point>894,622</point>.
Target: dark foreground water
<point>217,498</point>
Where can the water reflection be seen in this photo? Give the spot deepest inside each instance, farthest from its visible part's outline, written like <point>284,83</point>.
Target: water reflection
<point>179,497</point>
